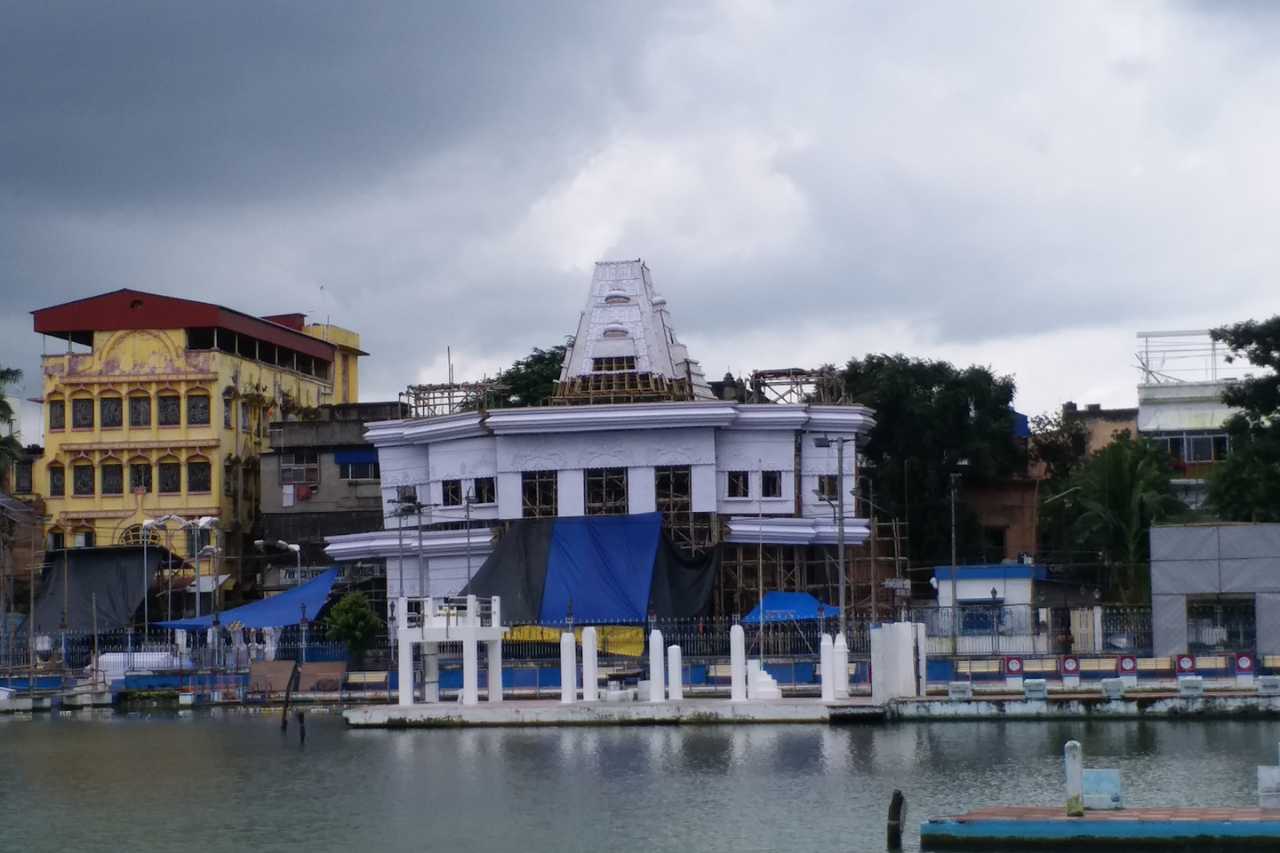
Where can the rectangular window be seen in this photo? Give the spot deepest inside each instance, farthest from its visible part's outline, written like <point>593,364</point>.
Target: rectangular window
<point>406,498</point>
<point>538,494</point>
<point>56,541</point>
<point>199,477</point>
<point>82,480</point>
<point>85,539</point>
<point>140,476</point>
<point>57,414</point>
<point>227,403</point>
<point>1221,447</point>
<point>451,492</point>
<point>486,490</point>
<point>828,489</point>
<point>113,479</point>
<point>771,484</point>
<point>169,407</point>
<point>300,466</point>
<point>614,364</point>
<point>22,478</point>
<point>82,414</point>
<point>111,412</point>
<point>140,412</point>
<point>358,470</point>
<point>197,410</point>
<point>739,485</point>
<point>606,491</point>
<point>1201,447</point>
<point>57,481</point>
<point>170,478</point>
<point>671,486</point>
<point>244,417</point>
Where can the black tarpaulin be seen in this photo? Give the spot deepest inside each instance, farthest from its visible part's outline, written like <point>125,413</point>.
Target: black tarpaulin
<point>682,585</point>
<point>516,570</point>
<point>113,579</point>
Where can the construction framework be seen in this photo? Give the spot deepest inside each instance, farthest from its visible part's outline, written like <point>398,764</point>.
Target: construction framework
<point>794,385</point>
<point>621,387</point>
<point>449,398</point>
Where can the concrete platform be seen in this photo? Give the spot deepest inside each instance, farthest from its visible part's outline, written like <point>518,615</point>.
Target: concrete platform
<point>1216,828</point>
<point>1135,705</point>
<point>553,713</point>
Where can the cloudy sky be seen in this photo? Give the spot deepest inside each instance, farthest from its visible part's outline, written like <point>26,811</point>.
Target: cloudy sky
<point>1023,185</point>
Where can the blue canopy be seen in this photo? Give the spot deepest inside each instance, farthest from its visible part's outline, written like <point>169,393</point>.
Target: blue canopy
<point>602,566</point>
<point>791,607</point>
<point>287,608</point>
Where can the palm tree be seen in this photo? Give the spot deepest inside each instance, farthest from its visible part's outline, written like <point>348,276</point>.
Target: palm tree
<point>10,448</point>
<point>1121,491</point>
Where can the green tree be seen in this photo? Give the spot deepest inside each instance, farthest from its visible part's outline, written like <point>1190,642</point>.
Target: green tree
<point>10,448</point>
<point>531,381</point>
<point>932,420</point>
<point>1059,444</point>
<point>1112,501</point>
<point>1246,486</point>
<point>353,621</point>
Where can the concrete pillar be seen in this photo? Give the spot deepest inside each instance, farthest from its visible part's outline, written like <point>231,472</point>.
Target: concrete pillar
<point>841,666</point>
<point>470,674</point>
<point>657,690</point>
<point>590,667</point>
<point>737,664</point>
<point>675,674</point>
<point>494,650</point>
<point>753,678</point>
<point>431,672</point>
<point>826,651</point>
<point>1074,757</point>
<point>568,669</point>
<point>404,650</point>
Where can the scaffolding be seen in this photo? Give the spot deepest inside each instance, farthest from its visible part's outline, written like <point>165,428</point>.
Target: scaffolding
<point>450,398</point>
<point>795,385</point>
<point>621,387</point>
<point>1186,356</point>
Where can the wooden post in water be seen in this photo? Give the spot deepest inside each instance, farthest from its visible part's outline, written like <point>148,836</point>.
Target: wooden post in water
<point>897,817</point>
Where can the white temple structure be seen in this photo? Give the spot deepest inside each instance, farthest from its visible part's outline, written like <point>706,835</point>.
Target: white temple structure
<point>634,428</point>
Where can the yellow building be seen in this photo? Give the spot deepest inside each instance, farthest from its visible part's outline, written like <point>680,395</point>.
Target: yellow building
<point>166,412</point>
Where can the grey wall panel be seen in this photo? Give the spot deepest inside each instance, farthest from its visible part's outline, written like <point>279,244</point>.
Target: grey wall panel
<point>1169,624</point>
<point>1184,543</point>
<point>1255,574</point>
<point>1250,540</point>
<point>1181,577</point>
<point>1267,612</point>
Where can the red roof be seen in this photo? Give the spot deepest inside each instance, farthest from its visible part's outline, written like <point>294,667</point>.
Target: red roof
<point>134,309</point>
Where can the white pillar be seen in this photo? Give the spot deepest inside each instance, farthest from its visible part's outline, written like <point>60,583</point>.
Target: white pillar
<point>826,651</point>
<point>470,674</point>
<point>494,650</point>
<point>657,691</point>
<point>675,674</point>
<point>1074,757</point>
<point>840,665</point>
<point>590,669</point>
<point>753,678</point>
<point>405,651</point>
<point>431,672</point>
<point>737,664</point>
<point>568,669</point>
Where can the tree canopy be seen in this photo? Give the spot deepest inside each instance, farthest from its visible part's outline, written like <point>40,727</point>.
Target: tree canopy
<point>933,419</point>
<point>1246,485</point>
<point>531,381</point>
<point>10,448</point>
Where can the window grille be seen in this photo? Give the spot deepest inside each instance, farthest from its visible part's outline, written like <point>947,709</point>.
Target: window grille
<point>538,494</point>
<point>140,411</point>
<point>111,411</point>
<point>606,491</point>
<point>739,485</point>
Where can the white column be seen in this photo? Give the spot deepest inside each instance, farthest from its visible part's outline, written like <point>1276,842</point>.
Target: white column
<point>675,674</point>
<point>753,678</point>
<point>431,672</point>
<point>737,664</point>
<point>657,691</point>
<point>568,669</point>
<point>470,675</point>
<point>589,665</point>
<point>1074,758</point>
<point>840,664</point>
<point>826,651</point>
<point>405,651</point>
<point>494,650</point>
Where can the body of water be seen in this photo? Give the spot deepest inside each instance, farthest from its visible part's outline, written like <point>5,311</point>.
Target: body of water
<point>212,782</point>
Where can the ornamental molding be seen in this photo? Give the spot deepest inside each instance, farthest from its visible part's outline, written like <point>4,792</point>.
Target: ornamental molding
<point>777,530</point>
<point>388,543</point>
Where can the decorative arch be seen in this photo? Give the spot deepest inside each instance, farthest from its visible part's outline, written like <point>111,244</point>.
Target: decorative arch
<point>133,535</point>
<point>162,351</point>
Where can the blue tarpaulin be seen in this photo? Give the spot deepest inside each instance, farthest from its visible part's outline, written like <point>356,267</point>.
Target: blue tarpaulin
<point>602,567</point>
<point>275,612</point>
<point>791,607</point>
<point>355,455</point>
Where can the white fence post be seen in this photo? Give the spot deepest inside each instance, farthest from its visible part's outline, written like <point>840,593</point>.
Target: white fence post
<point>568,669</point>
<point>590,668</point>
<point>657,691</point>
<point>675,674</point>
<point>737,664</point>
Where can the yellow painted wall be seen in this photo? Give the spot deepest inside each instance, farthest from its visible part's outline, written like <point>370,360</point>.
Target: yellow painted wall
<point>346,374</point>
<point>244,396</point>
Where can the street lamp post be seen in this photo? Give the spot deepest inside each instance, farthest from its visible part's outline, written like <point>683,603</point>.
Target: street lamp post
<point>840,441</point>
<point>263,544</point>
<point>955,602</point>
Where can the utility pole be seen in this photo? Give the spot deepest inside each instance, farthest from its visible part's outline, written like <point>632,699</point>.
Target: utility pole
<point>955,604</point>
<point>840,524</point>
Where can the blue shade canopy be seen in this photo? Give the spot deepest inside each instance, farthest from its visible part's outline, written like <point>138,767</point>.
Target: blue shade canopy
<point>791,607</point>
<point>602,566</point>
<point>275,612</point>
<point>355,455</point>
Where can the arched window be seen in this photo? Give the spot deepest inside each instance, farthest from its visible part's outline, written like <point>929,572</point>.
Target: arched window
<point>140,411</point>
<point>616,297</point>
<point>169,409</point>
<point>111,411</point>
<point>614,330</point>
<point>197,408</point>
<point>57,539</point>
<point>82,479</point>
<point>132,535</point>
<point>140,474</point>
<point>57,413</point>
<point>57,481</point>
<point>170,476</point>
<point>199,475</point>
<point>112,477</point>
<point>82,412</point>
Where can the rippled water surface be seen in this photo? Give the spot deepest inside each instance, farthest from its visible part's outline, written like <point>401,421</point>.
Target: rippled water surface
<point>232,782</point>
